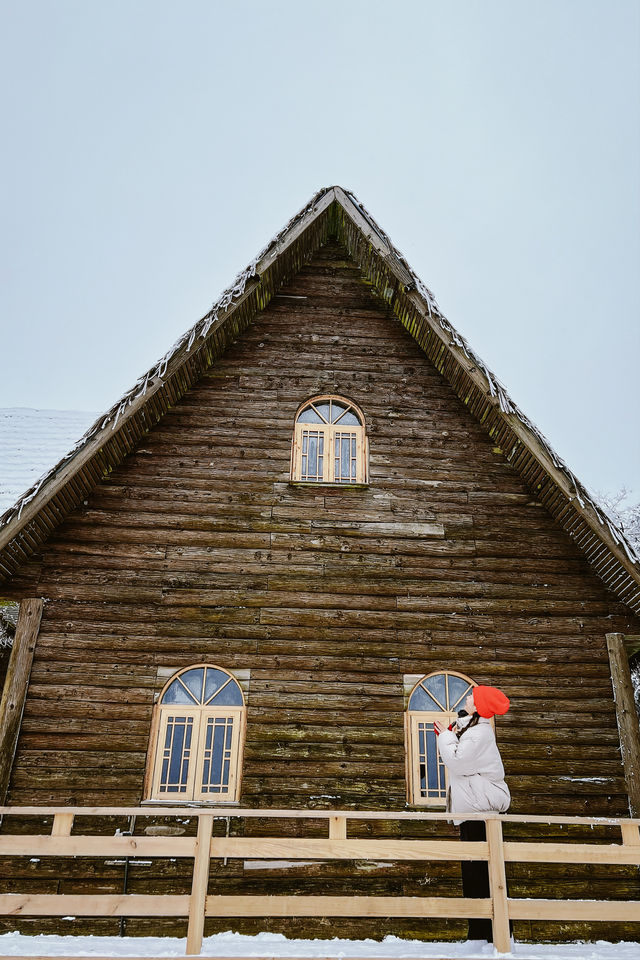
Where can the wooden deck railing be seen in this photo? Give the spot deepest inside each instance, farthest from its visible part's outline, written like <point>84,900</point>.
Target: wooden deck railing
<point>336,845</point>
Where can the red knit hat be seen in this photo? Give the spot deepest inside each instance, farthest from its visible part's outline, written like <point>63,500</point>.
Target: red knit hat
<point>489,701</point>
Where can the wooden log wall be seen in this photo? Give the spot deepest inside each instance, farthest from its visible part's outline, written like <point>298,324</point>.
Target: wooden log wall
<point>198,549</point>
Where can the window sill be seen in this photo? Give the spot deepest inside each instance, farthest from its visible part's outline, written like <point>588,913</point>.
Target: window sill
<point>189,803</point>
<point>316,484</point>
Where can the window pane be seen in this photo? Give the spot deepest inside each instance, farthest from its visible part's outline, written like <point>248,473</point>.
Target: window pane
<point>229,696</point>
<point>432,783</point>
<point>312,455</point>
<point>350,419</point>
<point>177,751</point>
<point>214,680</point>
<point>176,693</point>
<point>176,755</point>
<point>193,680</point>
<point>163,775</point>
<point>422,759</point>
<point>458,690</point>
<point>227,760</point>
<point>436,686</point>
<point>324,410</point>
<point>309,416</point>
<point>432,763</point>
<point>337,409</point>
<point>420,700</point>
<point>345,457</point>
<point>217,755</point>
<point>206,765</point>
<point>345,467</point>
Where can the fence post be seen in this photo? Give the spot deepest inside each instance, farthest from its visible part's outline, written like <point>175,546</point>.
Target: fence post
<point>337,828</point>
<point>16,682</point>
<point>630,834</point>
<point>62,825</point>
<point>627,718</point>
<point>498,887</point>
<point>199,884</point>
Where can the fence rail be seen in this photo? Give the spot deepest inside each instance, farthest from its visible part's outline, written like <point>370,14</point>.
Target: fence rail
<point>337,845</point>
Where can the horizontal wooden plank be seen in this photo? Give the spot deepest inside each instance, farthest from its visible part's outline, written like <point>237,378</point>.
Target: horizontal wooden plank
<point>155,809</point>
<point>301,906</point>
<point>88,905</point>
<point>572,853</point>
<point>277,848</point>
<point>610,911</point>
<point>91,846</point>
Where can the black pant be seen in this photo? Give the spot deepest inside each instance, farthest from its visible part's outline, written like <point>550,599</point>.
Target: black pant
<point>475,879</point>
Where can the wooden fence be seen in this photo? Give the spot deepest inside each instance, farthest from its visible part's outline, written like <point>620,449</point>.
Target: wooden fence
<point>337,845</point>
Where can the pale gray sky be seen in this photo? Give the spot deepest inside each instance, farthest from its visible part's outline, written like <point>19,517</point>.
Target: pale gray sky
<point>152,148</point>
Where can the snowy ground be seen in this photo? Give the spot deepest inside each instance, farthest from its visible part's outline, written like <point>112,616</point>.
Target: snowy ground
<point>274,945</point>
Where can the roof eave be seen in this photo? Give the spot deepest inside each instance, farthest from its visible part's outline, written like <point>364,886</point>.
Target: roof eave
<point>416,308</point>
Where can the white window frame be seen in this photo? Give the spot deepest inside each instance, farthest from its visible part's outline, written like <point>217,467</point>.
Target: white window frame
<point>328,433</point>
<point>200,716</point>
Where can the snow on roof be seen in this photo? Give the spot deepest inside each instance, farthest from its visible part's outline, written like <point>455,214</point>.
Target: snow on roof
<point>8,621</point>
<point>30,442</point>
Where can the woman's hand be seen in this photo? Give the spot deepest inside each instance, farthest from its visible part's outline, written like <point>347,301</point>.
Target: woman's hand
<point>441,725</point>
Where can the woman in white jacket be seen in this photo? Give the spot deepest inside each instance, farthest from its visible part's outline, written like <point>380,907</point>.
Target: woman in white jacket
<point>476,784</point>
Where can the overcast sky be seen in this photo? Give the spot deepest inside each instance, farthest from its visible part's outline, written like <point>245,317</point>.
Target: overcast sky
<point>152,148</point>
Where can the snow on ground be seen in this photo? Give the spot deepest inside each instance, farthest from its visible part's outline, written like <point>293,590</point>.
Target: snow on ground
<point>274,945</point>
<point>31,442</point>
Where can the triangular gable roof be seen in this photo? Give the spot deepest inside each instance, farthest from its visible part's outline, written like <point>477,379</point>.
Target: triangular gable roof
<point>332,212</point>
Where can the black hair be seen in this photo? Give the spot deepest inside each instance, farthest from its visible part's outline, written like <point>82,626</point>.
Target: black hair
<point>472,723</point>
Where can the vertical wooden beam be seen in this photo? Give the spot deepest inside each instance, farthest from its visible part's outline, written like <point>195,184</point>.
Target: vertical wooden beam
<point>630,834</point>
<point>337,828</point>
<point>15,686</point>
<point>62,825</point>
<point>628,727</point>
<point>199,884</point>
<point>498,887</point>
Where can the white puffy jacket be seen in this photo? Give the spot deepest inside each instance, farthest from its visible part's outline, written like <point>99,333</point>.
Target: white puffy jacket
<point>476,773</point>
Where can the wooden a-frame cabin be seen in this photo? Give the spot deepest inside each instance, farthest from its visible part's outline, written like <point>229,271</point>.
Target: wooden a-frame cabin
<point>257,579</point>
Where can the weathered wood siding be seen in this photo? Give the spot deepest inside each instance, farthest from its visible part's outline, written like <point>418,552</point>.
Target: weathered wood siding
<point>198,549</point>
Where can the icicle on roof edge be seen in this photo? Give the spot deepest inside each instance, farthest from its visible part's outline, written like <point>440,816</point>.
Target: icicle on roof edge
<point>498,390</point>
<point>199,330</point>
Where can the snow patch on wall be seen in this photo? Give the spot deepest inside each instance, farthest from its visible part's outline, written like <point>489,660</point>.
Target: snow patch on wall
<point>277,864</point>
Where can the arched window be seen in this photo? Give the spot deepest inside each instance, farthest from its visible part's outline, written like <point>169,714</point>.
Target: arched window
<point>438,696</point>
<point>197,737</point>
<point>329,442</point>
